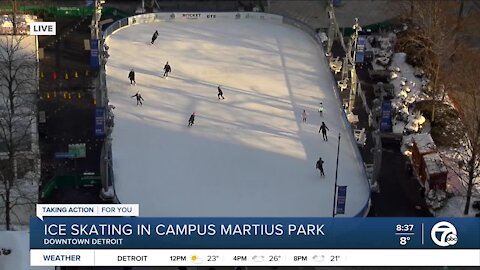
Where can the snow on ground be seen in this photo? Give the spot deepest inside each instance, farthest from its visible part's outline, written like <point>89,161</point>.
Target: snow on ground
<point>406,74</point>
<point>247,155</point>
<point>19,258</point>
<point>407,88</point>
<point>455,207</point>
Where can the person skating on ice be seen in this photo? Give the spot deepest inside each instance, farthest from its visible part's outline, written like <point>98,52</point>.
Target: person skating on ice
<point>304,116</point>
<point>323,129</point>
<point>167,70</point>
<point>131,76</point>
<point>154,37</point>
<point>139,98</point>
<point>320,109</point>
<point>191,120</point>
<point>320,166</point>
<point>220,93</point>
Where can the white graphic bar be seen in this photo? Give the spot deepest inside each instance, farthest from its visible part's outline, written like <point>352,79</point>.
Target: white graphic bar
<point>87,210</point>
<point>252,257</point>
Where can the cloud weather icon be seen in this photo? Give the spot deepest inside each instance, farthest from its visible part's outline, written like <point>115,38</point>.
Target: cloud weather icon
<point>258,258</point>
<point>196,259</point>
<point>319,258</point>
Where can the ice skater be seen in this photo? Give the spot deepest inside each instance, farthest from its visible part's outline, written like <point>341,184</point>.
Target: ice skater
<point>320,109</point>
<point>139,98</point>
<point>167,70</point>
<point>154,37</point>
<point>304,116</point>
<point>131,76</point>
<point>191,120</point>
<point>320,166</point>
<point>220,92</point>
<point>323,129</point>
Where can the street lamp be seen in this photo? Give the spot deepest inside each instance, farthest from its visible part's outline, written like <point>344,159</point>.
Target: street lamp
<point>336,177</point>
<point>353,73</point>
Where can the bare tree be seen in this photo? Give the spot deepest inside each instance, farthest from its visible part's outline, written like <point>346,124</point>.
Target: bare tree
<point>18,142</point>
<point>464,89</point>
<point>430,39</point>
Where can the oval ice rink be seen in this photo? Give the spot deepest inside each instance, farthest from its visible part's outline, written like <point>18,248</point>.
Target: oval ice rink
<point>249,155</point>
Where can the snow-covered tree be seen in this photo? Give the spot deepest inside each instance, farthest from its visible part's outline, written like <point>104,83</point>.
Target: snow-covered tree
<point>19,158</point>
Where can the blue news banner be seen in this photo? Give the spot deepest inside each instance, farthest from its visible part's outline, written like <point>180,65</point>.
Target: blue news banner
<point>253,233</point>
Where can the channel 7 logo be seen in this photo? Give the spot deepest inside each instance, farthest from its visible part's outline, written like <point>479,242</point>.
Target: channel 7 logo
<point>444,234</point>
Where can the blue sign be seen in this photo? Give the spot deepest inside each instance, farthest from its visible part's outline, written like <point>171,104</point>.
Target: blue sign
<point>94,59</point>
<point>253,233</point>
<point>100,122</point>
<point>361,46</point>
<point>359,57</point>
<point>341,199</point>
<point>386,122</point>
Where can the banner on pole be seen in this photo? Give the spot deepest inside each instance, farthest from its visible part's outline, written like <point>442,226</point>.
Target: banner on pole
<point>100,122</point>
<point>94,61</point>
<point>341,199</point>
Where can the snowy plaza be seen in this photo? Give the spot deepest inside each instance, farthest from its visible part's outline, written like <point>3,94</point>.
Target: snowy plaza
<point>248,155</point>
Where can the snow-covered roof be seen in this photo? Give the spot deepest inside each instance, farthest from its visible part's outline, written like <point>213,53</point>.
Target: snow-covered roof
<point>434,164</point>
<point>424,143</point>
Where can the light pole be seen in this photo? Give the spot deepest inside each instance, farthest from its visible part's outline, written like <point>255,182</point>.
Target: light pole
<point>353,72</point>
<point>336,177</point>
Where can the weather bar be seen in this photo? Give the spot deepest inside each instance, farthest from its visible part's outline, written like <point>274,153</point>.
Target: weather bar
<point>251,257</point>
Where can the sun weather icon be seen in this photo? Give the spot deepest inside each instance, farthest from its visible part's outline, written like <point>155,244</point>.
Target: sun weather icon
<point>447,233</point>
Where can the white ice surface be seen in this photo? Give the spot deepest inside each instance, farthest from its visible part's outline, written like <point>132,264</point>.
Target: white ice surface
<point>19,259</point>
<point>247,155</point>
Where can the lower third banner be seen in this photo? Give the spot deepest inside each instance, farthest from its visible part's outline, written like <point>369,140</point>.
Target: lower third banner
<point>253,233</point>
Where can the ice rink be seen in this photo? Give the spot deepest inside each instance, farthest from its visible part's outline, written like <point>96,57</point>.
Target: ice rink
<point>248,155</point>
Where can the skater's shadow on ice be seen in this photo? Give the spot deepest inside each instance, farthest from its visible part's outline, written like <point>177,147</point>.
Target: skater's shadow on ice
<point>140,72</point>
<point>229,88</point>
<point>144,117</point>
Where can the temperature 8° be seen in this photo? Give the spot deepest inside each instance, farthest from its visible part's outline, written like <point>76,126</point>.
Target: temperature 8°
<point>404,240</point>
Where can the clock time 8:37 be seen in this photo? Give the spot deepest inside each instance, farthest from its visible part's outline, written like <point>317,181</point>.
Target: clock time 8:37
<point>404,227</point>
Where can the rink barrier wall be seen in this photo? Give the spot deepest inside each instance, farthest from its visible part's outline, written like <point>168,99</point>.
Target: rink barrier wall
<point>211,16</point>
<point>188,16</point>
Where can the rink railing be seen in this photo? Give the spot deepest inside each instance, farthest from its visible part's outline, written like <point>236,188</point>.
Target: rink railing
<point>192,16</point>
<point>188,16</point>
